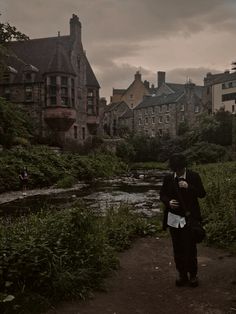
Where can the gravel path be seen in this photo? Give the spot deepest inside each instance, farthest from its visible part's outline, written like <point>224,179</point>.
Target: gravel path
<point>145,284</point>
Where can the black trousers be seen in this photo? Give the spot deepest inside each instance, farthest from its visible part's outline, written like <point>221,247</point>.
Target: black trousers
<point>185,251</point>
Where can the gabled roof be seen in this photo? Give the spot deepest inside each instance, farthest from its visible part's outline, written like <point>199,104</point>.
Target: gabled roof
<point>127,114</point>
<point>41,53</point>
<point>90,76</point>
<point>114,105</point>
<point>60,61</point>
<point>160,100</point>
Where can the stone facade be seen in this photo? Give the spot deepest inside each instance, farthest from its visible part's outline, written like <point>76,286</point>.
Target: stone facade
<point>133,95</point>
<point>162,115</point>
<point>112,114</point>
<point>53,81</point>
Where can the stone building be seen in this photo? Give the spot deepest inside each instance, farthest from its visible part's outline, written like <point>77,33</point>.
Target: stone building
<point>220,91</point>
<point>134,94</point>
<point>163,114</point>
<point>51,78</point>
<point>111,118</point>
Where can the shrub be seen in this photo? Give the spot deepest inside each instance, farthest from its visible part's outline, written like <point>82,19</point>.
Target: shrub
<point>218,207</point>
<point>52,256</point>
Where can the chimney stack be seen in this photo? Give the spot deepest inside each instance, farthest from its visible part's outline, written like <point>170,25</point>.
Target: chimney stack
<point>75,28</point>
<point>161,78</point>
<point>137,76</point>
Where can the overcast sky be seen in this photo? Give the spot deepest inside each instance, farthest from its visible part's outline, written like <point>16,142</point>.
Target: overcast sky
<point>185,38</point>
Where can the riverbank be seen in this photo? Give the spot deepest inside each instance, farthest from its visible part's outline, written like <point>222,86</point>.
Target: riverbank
<point>145,284</point>
<point>17,195</point>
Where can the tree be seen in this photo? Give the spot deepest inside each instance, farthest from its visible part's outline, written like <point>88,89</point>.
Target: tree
<point>8,33</point>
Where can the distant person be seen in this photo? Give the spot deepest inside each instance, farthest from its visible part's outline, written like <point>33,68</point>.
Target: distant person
<point>24,177</point>
<point>179,193</point>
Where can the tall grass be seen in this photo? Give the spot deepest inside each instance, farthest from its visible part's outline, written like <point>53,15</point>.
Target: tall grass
<point>219,205</point>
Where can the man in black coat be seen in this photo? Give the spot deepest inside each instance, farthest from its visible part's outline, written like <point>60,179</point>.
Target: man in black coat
<point>179,193</point>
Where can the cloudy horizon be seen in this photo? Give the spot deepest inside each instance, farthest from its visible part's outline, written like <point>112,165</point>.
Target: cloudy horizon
<point>186,39</point>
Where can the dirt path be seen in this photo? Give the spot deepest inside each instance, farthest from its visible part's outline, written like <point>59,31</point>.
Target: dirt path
<point>145,284</point>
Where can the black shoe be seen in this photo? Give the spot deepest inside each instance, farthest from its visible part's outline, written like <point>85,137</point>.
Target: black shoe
<point>193,281</point>
<point>182,281</point>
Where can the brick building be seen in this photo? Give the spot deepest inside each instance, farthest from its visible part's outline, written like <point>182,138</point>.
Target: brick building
<point>51,78</point>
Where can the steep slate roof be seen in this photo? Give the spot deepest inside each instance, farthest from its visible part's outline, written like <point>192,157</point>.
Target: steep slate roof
<point>160,100</point>
<point>113,105</point>
<point>117,91</point>
<point>127,114</point>
<point>90,76</point>
<point>60,61</point>
<point>40,53</point>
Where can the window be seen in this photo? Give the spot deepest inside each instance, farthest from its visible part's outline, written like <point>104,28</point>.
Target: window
<point>6,77</point>
<point>153,133</point>
<point>223,86</point>
<point>131,106</point>
<point>160,132</point>
<point>146,111</point>
<point>64,80</point>
<point>53,101</point>
<point>64,101</point>
<point>7,93</point>
<point>160,119</point>
<point>182,107</point>
<point>230,84</point>
<point>167,119</point>
<point>83,133</point>
<point>131,96</point>
<point>227,97</point>
<point>53,80</point>
<point>153,110</point>
<point>167,108</point>
<point>53,90</point>
<point>90,93</point>
<point>196,108</point>
<point>75,131</point>
<point>153,120</point>
<point>139,121</point>
<point>233,108</point>
<point>146,120</point>
<point>182,118</point>
<point>72,83</point>
<point>64,91</point>
<point>28,93</point>
<point>208,90</point>
<point>28,77</point>
<point>160,108</point>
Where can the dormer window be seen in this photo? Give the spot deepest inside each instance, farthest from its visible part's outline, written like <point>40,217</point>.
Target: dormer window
<point>28,93</point>
<point>28,77</point>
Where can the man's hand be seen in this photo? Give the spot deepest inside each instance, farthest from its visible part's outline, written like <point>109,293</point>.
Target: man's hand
<point>183,184</point>
<point>174,204</point>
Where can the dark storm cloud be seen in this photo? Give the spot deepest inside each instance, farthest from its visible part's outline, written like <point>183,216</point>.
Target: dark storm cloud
<point>114,31</point>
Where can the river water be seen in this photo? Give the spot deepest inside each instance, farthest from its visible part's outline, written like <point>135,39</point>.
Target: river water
<point>140,189</point>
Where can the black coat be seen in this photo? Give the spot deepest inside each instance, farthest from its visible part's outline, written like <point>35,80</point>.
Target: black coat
<point>188,198</point>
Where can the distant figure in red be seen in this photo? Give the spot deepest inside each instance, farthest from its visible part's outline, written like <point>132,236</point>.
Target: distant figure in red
<point>24,177</point>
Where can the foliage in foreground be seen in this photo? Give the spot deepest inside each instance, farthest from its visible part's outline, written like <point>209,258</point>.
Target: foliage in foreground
<point>46,167</point>
<point>219,205</point>
<point>53,256</point>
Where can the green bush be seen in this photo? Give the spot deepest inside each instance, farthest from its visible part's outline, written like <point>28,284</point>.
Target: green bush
<point>219,205</point>
<point>46,167</point>
<point>52,256</point>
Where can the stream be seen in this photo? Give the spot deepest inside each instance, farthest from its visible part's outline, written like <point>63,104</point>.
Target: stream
<point>140,190</point>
